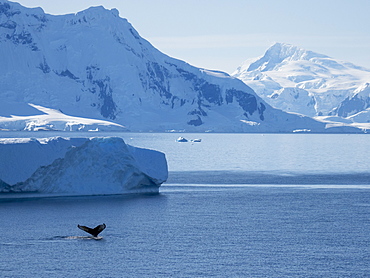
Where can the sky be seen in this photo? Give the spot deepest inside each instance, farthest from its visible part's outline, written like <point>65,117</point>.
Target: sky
<point>221,35</point>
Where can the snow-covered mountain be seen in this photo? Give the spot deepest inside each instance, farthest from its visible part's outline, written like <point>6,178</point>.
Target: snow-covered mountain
<point>94,64</point>
<point>296,80</point>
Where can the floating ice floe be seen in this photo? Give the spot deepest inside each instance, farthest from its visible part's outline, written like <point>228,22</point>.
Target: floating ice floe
<point>184,140</point>
<point>181,139</point>
<point>79,166</point>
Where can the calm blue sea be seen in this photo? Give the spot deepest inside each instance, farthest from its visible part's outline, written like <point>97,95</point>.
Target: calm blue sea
<point>235,205</point>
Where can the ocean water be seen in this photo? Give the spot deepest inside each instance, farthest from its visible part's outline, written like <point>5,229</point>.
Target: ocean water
<point>235,205</point>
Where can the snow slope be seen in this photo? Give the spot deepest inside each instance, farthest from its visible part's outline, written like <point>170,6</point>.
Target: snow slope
<point>94,64</point>
<point>30,117</point>
<point>79,166</point>
<point>297,80</point>
<point>356,105</point>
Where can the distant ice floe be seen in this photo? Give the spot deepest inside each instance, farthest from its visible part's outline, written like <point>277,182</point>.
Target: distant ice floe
<point>301,130</point>
<point>181,140</point>
<point>184,140</point>
<point>79,166</point>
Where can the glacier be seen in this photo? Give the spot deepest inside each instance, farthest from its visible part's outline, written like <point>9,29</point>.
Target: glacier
<point>31,117</point>
<point>95,65</point>
<point>297,80</point>
<point>79,166</point>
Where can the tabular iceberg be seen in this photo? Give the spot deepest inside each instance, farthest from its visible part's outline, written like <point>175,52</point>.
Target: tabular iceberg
<point>79,166</point>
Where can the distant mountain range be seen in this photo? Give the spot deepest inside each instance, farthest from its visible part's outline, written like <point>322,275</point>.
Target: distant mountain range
<point>297,80</point>
<point>94,64</point>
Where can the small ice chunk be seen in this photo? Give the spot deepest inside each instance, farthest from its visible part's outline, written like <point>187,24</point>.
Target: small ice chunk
<point>181,139</point>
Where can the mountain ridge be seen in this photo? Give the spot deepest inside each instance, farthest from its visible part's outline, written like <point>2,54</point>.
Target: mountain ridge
<point>94,64</point>
<point>279,52</point>
<point>297,80</point>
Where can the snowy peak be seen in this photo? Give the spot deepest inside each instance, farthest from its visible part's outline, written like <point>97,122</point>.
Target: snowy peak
<point>98,12</point>
<point>281,53</point>
<point>94,17</point>
<point>9,8</point>
<point>78,53</point>
<point>324,83</point>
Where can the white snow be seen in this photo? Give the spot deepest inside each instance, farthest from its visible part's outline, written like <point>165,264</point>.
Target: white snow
<point>251,123</point>
<point>184,140</point>
<point>181,139</point>
<point>363,123</point>
<point>215,73</point>
<point>301,81</point>
<point>79,166</point>
<point>31,117</point>
<point>361,117</point>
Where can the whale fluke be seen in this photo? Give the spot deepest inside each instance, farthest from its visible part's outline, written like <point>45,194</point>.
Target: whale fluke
<point>94,232</point>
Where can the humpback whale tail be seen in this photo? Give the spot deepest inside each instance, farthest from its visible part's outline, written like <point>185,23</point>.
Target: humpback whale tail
<point>94,232</point>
